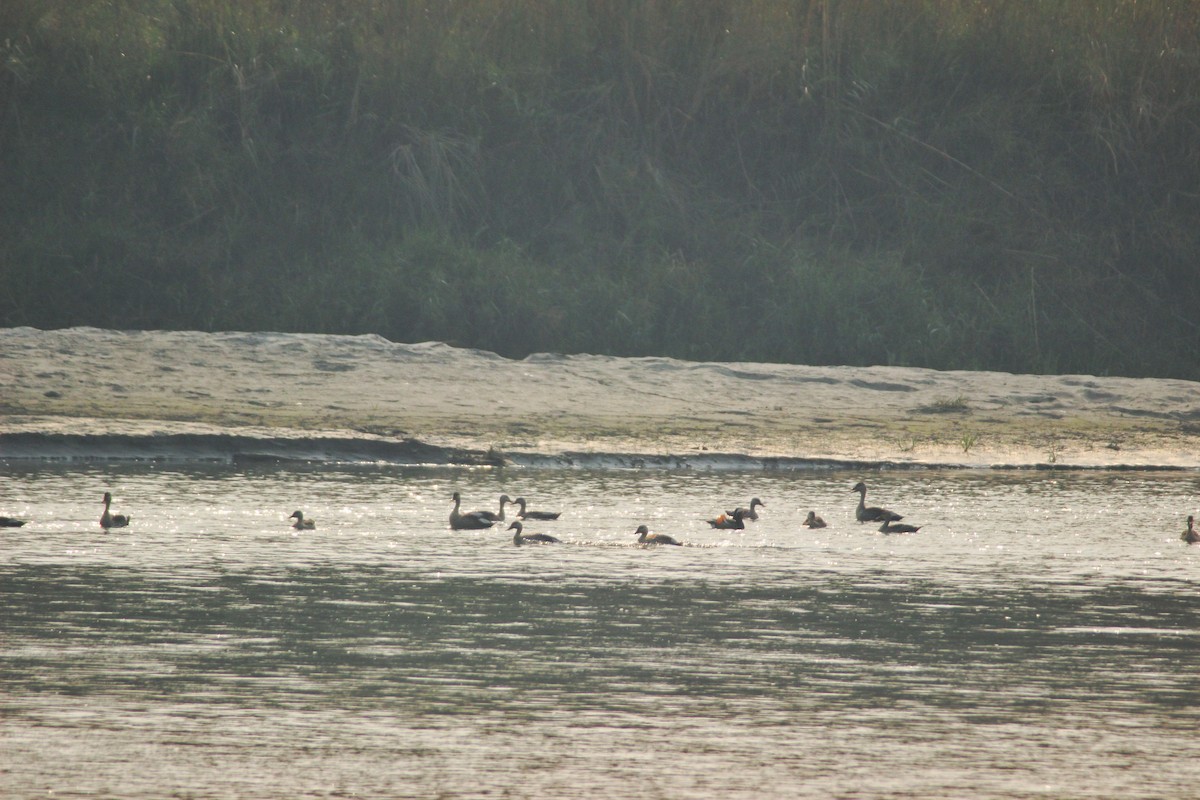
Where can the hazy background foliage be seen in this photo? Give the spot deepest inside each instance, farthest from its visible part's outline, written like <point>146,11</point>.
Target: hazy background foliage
<point>966,184</point>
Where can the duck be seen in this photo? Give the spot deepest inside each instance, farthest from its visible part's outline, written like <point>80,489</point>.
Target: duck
<point>110,520</point>
<point>526,514</point>
<point>898,527</point>
<point>748,513</point>
<point>302,524</point>
<point>11,522</point>
<point>1191,536</point>
<point>646,537</point>
<point>528,538</point>
<point>813,521</point>
<point>731,520</point>
<point>865,513</point>
<point>472,520</point>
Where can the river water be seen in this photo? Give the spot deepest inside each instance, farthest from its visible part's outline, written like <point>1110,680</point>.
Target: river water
<point>1037,638</point>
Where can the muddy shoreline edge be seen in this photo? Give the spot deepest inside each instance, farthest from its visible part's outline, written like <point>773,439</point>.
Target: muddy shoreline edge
<point>243,450</point>
<point>93,395</point>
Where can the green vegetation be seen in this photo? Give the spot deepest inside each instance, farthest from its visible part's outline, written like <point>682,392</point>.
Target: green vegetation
<point>947,405</point>
<point>976,184</point>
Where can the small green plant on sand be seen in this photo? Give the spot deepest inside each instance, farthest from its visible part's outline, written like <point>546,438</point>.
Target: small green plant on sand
<point>947,405</point>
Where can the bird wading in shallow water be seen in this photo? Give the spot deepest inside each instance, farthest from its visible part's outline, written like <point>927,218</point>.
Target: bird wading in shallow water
<point>646,537</point>
<point>520,538</point>
<point>865,513</point>
<point>301,523</point>
<point>110,520</point>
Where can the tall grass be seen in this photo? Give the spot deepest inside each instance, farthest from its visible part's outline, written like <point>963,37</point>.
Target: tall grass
<point>948,183</point>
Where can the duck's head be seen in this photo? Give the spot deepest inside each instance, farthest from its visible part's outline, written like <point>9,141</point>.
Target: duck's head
<point>859,487</point>
<point>504,499</point>
<point>108,497</point>
<point>642,530</point>
<point>297,515</point>
<point>757,502</point>
<point>516,526</point>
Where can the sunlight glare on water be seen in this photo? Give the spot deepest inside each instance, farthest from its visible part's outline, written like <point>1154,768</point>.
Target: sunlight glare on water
<point>1036,638</point>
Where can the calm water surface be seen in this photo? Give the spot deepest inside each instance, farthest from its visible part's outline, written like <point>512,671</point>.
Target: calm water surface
<point>1037,639</point>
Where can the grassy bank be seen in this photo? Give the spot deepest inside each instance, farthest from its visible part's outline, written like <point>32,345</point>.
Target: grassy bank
<point>999,185</point>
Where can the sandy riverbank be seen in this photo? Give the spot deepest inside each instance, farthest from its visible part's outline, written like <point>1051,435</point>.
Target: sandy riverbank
<point>85,392</point>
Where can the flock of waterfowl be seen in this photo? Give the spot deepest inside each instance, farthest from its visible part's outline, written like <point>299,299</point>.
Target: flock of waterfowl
<point>479,520</point>
<point>730,520</point>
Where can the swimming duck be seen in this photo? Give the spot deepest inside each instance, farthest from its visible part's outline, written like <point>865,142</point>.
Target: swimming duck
<point>646,537</point>
<point>898,527</point>
<point>109,520</point>
<point>527,538</point>
<point>302,524</point>
<point>748,513</point>
<point>11,522</point>
<point>729,520</point>
<point>866,513</point>
<point>472,520</point>
<point>525,514</point>
<point>813,521</point>
<point>1190,536</point>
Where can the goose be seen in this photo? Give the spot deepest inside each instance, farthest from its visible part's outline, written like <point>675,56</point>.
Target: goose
<point>495,516</point>
<point>1191,536</point>
<point>525,514</point>
<point>11,522</point>
<point>813,521</point>
<point>527,538</point>
<point>898,527</point>
<point>873,513</point>
<point>729,520</point>
<point>646,537</point>
<point>472,520</point>
<point>110,520</point>
<point>302,524</point>
<point>748,513</point>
